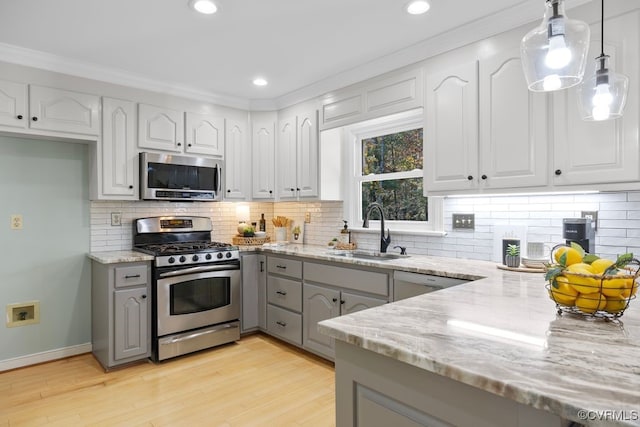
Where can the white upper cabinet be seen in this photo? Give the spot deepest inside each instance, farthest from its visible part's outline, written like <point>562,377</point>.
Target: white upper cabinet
<point>13,104</point>
<point>263,143</point>
<point>160,128</point>
<point>63,110</point>
<point>604,151</point>
<point>308,152</point>
<point>393,93</point>
<point>238,161</point>
<point>451,134</point>
<point>286,158</point>
<point>513,125</point>
<point>204,134</point>
<point>297,156</point>
<point>119,154</point>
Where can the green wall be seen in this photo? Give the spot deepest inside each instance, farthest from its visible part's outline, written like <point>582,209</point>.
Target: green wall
<point>47,183</point>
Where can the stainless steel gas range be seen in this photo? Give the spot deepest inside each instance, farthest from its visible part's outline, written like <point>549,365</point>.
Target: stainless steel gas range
<point>196,285</point>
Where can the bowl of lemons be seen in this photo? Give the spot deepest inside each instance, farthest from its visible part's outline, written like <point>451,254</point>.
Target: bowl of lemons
<point>585,284</point>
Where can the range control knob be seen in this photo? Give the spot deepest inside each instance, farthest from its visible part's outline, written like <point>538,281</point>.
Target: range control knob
<point>195,257</point>
<point>171,260</point>
<point>219,255</point>
<point>182,259</point>
<point>228,255</point>
<point>207,256</point>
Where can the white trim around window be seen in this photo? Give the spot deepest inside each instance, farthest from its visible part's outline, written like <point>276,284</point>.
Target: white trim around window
<point>353,135</point>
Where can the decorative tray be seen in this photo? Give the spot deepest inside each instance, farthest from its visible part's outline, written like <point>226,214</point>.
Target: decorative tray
<point>250,241</point>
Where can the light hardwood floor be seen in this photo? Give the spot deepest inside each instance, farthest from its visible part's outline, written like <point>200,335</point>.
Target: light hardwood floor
<point>257,381</point>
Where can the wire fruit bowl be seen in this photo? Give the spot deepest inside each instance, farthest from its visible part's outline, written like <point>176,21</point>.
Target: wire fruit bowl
<point>604,296</point>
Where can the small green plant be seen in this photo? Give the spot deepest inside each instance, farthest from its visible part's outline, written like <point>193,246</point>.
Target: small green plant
<point>513,250</point>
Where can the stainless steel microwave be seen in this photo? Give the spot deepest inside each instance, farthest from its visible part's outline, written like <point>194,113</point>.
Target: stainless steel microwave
<point>180,178</point>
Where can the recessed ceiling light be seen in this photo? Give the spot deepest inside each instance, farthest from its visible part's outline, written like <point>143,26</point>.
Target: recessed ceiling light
<point>260,81</point>
<point>418,7</point>
<point>204,6</point>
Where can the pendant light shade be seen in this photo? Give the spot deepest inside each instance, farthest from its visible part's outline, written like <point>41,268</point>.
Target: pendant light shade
<point>554,55</point>
<point>603,95</point>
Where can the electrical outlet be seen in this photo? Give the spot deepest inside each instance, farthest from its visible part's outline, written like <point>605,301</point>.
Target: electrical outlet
<point>16,222</point>
<point>116,219</point>
<point>593,216</point>
<point>307,217</point>
<point>463,221</point>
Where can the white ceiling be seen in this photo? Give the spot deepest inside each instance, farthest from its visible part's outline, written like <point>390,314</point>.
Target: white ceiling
<point>295,44</point>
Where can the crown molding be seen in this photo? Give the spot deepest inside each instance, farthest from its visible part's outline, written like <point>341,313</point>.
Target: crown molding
<point>47,61</point>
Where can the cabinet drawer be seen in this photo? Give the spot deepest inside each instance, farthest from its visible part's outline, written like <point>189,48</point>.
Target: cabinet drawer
<point>130,276</point>
<point>285,293</point>
<point>285,267</point>
<point>284,324</point>
<point>347,278</point>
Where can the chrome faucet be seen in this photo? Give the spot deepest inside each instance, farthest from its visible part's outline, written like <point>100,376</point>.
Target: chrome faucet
<point>384,241</point>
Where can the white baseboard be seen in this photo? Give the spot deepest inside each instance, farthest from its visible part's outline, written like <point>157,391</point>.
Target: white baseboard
<point>45,356</point>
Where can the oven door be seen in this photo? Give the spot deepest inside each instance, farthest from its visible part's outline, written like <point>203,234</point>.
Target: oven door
<point>197,296</point>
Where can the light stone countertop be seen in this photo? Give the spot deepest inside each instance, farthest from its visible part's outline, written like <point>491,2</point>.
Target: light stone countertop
<point>114,257</point>
<point>499,333</point>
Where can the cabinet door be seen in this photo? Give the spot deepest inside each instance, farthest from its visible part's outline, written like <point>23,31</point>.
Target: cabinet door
<point>604,151</point>
<point>160,128</point>
<point>307,159</point>
<point>319,303</point>
<point>263,160</point>
<point>13,104</point>
<point>63,110</point>
<point>451,119</point>
<point>119,155</point>
<point>350,303</point>
<point>286,158</point>
<point>513,125</point>
<point>204,135</point>
<point>130,323</point>
<point>250,292</point>
<point>237,161</point>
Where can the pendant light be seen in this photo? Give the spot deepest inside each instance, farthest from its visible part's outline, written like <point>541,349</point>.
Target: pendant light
<point>554,54</point>
<point>603,95</point>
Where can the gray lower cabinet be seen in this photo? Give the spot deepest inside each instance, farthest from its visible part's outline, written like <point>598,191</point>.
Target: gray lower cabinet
<point>284,299</point>
<point>254,285</point>
<point>120,312</point>
<point>330,295</point>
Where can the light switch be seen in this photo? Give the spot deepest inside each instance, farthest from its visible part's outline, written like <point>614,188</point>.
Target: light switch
<point>463,221</point>
<point>16,222</point>
<point>116,219</point>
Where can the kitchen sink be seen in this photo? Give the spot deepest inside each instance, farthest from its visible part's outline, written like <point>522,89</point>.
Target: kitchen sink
<point>370,255</point>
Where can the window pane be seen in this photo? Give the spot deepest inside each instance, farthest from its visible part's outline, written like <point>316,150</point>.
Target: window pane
<point>401,199</point>
<point>397,152</point>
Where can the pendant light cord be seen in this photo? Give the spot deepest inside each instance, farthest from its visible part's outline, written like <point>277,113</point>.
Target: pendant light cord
<point>602,30</point>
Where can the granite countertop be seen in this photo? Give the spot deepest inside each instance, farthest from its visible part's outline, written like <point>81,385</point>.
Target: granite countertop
<point>502,334</point>
<point>114,257</point>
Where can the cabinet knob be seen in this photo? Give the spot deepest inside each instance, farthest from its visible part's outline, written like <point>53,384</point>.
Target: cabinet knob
<point>34,118</point>
<point>558,172</point>
<point>19,116</point>
<point>342,301</point>
<point>335,300</point>
<point>484,177</point>
<point>292,189</point>
<point>297,189</point>
<point>270,191</point>
<point>144,297</point>
<point>131,187</point>
<point>228,191</point>
<point>470,177</point>
<point>179,144</point>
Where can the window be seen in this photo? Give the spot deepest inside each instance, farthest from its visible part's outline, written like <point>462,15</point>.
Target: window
<point>387,158</point>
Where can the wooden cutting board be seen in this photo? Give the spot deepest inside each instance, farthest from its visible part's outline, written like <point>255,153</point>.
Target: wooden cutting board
<point>521,269</point>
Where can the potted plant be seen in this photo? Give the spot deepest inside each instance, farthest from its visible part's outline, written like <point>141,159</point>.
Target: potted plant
<point>513,256</point>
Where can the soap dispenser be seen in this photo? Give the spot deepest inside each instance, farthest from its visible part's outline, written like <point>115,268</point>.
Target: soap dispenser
<point>345,234</point>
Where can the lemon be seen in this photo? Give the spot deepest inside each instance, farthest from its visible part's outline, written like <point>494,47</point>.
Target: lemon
<point>590,303</point>
<point>630,290</point>
<point>600,265</point>
<point>580,267</point>
<point>558,253</point>
<point>615,304</point>
<point>615,287</point>
<point>573,256</point>
<point>564,294</point>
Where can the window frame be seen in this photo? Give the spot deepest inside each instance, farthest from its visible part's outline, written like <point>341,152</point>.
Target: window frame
<point>354,135</point>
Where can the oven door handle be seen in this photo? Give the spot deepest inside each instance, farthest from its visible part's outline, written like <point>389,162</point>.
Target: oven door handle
<point>200,269</point>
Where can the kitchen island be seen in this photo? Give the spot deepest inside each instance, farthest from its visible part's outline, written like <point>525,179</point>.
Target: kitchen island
<point>489,352</point>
